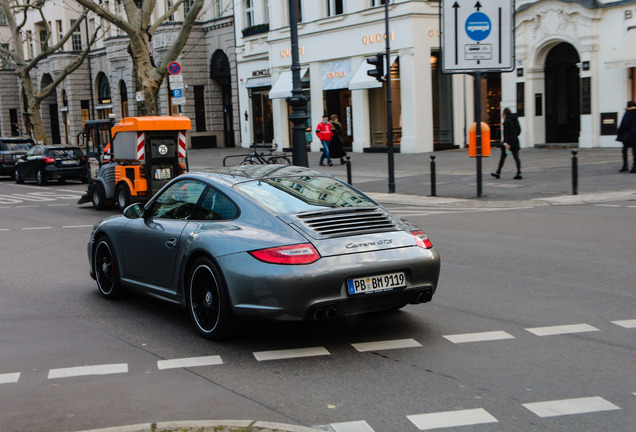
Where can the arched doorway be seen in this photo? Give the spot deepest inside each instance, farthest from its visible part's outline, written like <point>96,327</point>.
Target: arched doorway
<point>220,72</point>
<point>562,95</point>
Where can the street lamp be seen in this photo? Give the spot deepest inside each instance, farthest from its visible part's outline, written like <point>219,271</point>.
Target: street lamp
<point>297,100</point>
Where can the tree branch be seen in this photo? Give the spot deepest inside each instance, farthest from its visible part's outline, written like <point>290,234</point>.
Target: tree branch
<point>182,38</point>
<point>108,16</point>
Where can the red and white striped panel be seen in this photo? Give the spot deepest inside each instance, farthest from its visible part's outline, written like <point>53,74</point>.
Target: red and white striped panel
<point>141,146</point>
<point>182,144</point>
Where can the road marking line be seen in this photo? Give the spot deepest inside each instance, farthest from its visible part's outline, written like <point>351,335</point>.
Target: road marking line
<point>9,378</point>
<point>562,329</point>
<point>291,353</point>
<point>88,370</point>
<point>386,345</point>
<point>77,226</point>
<point>4,229</point>
<point>58,205</point>
<point>452,418</point>
<point>607,205</point>
<point>36,228</point>
<point>189,362</point>
<point>27,206</point>
<point>479,337</point>
<point>352,426</point>
<point>626,323</point>
<point>570,406</point>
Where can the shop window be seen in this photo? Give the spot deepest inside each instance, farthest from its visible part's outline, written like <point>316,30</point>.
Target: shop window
<point>378,113</point>
<point>335,7</point>
<point>123,99</point>
<point>442,105</point>
<point>85,107</point>
<point>262,117</point>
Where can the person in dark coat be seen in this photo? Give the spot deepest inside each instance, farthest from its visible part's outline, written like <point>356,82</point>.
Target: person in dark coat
<point>336,149</point>
<point>627,135</point>
<point>511,132</point>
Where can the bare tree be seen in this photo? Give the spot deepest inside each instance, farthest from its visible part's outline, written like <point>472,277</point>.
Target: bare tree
<point>139,28</point>
<point>16,12</point>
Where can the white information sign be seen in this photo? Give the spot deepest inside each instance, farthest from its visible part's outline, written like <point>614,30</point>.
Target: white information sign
<point>477,35</point>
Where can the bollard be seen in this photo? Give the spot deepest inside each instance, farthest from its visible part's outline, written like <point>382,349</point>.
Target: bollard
<point>349,170</point>
<point>433,186</point>
<point>575,173</point>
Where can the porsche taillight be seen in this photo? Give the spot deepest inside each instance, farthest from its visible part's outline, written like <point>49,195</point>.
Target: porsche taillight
<point>304,253</point>
<point>422,240</point>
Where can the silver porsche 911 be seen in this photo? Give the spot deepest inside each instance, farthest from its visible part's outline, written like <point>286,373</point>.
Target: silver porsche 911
<point>267,242</point>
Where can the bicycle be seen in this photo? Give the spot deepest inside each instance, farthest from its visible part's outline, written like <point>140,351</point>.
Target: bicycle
<point>262,158</point>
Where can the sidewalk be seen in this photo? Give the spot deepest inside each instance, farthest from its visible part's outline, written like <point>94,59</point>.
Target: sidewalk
<point>547,176</point>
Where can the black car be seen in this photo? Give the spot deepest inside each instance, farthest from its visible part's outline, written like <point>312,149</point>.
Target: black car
<point>10,150</point>
<point>43,163</point>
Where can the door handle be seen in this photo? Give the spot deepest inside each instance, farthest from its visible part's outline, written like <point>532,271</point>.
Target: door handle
<point>171,242</point>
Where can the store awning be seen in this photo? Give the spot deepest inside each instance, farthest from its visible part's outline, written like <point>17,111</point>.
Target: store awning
<point>362,81</point>
<point>264,81</point>
<point>625,55</point>
<point>283,86</point>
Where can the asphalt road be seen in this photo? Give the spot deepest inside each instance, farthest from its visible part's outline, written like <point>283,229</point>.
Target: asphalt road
<point>532,329</point>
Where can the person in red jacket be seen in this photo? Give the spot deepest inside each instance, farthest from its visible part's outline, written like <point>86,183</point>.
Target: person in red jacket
<point>324,130</point>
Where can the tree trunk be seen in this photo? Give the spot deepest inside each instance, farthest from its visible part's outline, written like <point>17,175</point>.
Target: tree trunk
<point>33,106</point>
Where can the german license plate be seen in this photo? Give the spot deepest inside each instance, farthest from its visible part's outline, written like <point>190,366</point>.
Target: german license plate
<point>69,162</point>
<point>162,174</point>
<point>383,282</point>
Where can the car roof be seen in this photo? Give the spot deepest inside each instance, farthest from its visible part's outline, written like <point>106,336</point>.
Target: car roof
<point>242,173</point>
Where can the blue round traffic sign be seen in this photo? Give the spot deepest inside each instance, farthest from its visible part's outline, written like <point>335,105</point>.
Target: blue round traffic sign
<point>478,26</point>
<point>174,68</point>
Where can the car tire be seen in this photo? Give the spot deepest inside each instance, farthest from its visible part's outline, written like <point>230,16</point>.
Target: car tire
<point>17,177</point>
<point>106,269</point>
<point>98,197</point>
<point>122,196</point>
<point>40,177</point>
<point>207,300</point>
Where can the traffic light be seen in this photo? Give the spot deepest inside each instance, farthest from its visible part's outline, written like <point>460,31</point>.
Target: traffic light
<point>378,62</point>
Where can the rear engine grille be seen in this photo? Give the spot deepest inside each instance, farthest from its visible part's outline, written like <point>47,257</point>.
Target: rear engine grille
<point>346,222</point>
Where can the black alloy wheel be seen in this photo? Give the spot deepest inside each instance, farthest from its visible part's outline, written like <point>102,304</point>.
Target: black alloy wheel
<point>207,300</point>
<point>40,177</point>
<point>106,272</point>
<point>17,177</point>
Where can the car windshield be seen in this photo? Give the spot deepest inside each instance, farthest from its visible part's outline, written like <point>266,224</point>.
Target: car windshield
<point>65,152</point>
<point>300,194</point>
<point>17,146</point>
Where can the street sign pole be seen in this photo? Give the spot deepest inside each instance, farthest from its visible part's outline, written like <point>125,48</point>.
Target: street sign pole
<point>477,77</point>
<point>389,103</point>
<point>477,38</point>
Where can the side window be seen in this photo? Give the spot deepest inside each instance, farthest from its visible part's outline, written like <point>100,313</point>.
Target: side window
<point>215,206</point>
<point>178,201</point>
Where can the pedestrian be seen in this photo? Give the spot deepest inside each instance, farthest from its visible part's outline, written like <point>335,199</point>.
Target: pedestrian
<point>336,149</point>
<point>511,132</point>
<point>324,130</point>
<point>627,135</point>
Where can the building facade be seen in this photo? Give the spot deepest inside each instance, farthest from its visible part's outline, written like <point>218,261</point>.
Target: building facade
<point>335,39</point>
<point>103,86</point>
<point>575,71</point>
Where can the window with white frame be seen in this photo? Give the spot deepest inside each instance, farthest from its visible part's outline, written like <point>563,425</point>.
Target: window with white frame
<point>249,13</point>
<point>379,2</point>
<point>76,38</point>
<point>335,7</point>
<point>168,7</point>
<point>30,39</point>
<point>3,18</point>
<point>218,9</point>
<point>187,5</point>
<point>60,29</point>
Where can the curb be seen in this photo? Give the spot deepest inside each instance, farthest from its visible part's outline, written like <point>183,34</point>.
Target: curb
<point>208,426</point>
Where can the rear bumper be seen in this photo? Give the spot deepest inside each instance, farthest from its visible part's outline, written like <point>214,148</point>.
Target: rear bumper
<point>55,173</point>
<point>319,290</point>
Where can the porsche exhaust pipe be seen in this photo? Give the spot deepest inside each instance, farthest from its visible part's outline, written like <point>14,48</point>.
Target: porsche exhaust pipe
<point>324,313</point>
<point>422,296</point>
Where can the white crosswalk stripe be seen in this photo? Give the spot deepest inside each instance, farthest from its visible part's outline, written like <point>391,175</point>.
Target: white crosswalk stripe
<point>291,353</point>
<point>570,406</point>
<point>452,419</point>
<point>479,337</point>
<point>88,370</point>
<point>386,345</point>
<point>9,378</point>
<point>189,362</point>
<point>562,329</point>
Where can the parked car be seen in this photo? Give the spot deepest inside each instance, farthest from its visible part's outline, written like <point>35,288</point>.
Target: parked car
<point>263,241</point>
<point>10,150</point>
<point>43,163</point>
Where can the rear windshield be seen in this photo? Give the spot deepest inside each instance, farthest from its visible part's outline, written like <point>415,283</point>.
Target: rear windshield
<point>300,194</point>
<point>65,152</point>
<point>17,146</point>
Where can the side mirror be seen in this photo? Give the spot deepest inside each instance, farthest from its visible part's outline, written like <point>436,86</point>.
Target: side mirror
<point>134,211</point>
